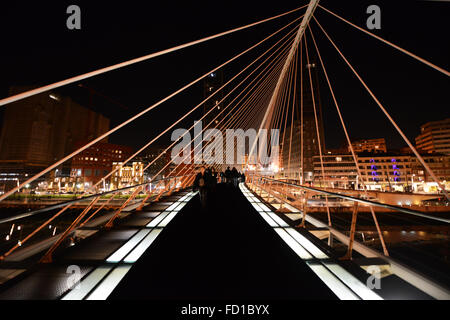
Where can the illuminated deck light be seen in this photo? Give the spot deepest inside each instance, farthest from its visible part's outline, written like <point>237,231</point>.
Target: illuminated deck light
<point>128,246</point>
<point>109,283</point>
<point>143,246</point>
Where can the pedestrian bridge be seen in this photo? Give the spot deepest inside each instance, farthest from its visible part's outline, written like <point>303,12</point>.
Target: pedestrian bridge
<point>260,240</point>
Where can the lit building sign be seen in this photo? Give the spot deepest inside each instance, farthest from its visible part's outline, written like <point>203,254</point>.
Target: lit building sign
<point>396,172</point>
<point>374,170</point>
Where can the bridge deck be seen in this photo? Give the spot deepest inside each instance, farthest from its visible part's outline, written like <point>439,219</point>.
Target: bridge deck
<point>228,251</point>
<point>235,249</point>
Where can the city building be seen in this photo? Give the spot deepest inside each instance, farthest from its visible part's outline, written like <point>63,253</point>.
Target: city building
<point>369,145</point>
<point>421,179</point>
<point>385,172</point>
<point>94,163</point>
<point>212,108</point>
<point>292,160</point>
<point>434,137</point>
<point>126,175</point>
<point>214,115</point>
<point>340,171</point>
<point>39,130</point>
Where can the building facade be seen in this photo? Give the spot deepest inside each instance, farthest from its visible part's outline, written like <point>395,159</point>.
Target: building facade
<point>212,107</point>
<point>339,169</point>
<point>94,163</point>
<point>434,137</point>
<point>291,147</point>
<point>39,130</point>
<point>126,175</point>
<point>385,172</point>
<point>369,145</point>
<point>42,129</point>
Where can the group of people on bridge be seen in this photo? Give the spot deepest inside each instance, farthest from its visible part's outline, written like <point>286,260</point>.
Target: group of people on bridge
<point>207,178</point>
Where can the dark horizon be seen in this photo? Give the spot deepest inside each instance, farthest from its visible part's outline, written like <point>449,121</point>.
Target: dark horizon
<point>41,50</point>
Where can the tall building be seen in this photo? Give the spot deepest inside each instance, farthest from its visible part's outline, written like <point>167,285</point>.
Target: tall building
<point>434,137</point>
<point>43,128</point>
<point>39,130</point>
<point>292,163</point>
<point>213,107</point>
<point>369,145</point>
<point>211,84</point>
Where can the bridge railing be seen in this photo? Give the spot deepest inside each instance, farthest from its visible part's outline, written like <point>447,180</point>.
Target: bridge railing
<point>295,198</point>
<point>301,197</point>
<point>40,226</point>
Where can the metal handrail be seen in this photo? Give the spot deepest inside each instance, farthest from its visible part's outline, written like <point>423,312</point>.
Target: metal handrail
<point>368,202</point>
<point>69,202</point>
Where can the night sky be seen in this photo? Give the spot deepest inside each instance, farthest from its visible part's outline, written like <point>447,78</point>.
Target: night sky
<point>38,49</point>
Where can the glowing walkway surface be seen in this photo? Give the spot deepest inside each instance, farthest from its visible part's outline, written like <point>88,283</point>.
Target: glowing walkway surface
<point>101,261</point>
<point>99,284</point>
<point>236,248</point>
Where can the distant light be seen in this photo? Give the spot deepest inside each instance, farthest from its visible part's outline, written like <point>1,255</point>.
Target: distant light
<point>53,97</point>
